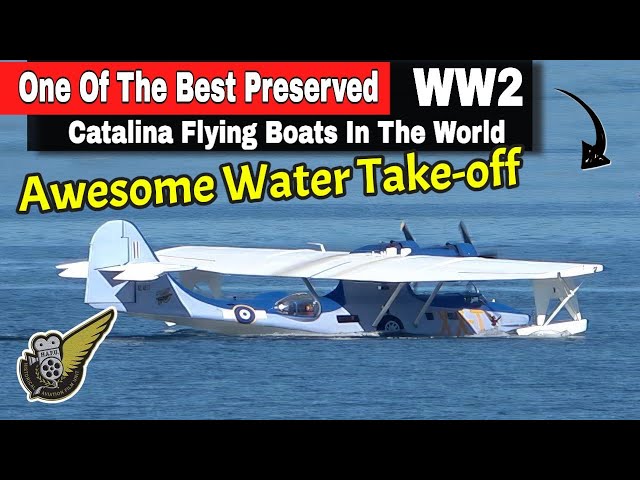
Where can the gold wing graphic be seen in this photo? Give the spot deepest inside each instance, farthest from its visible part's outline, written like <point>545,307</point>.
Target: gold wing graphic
<point>79,343</point>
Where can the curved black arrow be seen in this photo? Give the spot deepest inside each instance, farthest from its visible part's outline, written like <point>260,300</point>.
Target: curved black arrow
<point>592,155</point>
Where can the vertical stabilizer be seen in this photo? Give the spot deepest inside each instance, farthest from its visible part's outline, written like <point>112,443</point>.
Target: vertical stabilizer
<point>115,243</point>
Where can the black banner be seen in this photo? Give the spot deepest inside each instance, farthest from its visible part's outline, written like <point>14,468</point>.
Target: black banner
<point>466,106</point>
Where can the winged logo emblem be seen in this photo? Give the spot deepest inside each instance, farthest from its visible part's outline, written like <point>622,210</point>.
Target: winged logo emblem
<point>54,367</point>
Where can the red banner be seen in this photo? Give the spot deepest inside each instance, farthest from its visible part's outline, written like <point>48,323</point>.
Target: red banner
<point>194,88</point>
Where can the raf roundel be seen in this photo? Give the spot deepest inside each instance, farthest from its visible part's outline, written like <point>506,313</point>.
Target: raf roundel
<point>244,314</point>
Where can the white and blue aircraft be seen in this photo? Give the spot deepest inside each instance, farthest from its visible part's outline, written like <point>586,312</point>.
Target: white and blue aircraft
<point>375,293</point>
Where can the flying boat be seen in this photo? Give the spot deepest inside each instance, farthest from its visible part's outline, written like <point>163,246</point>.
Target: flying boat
<point>376,293</point>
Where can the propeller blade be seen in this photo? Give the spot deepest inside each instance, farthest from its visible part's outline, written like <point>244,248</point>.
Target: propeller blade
<point>466,238</point>
<point>407,233</point>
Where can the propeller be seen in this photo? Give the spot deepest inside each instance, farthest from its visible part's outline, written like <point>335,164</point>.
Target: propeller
<point>407,233</point>
<point>409,237</point>
<point>466,238</point>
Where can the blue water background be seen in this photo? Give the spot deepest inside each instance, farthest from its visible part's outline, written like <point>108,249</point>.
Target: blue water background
<point>146,370</point>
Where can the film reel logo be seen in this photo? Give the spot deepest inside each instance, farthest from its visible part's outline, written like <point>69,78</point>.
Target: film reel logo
<point>54,367</point>
<point>48,358</point>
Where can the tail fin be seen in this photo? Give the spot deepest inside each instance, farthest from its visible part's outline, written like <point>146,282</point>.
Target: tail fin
<point>118,243</point>
<point>114,245</point>
<point>119,253</point>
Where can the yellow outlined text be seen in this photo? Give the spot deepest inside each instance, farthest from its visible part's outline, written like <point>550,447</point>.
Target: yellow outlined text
<point>98,194</point>
<point>248,182</point>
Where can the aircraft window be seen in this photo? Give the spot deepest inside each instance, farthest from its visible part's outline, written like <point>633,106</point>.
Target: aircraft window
<point>452,315</point>
<point>472,293</point>
<point>298,305</point>
<point>429,316</point>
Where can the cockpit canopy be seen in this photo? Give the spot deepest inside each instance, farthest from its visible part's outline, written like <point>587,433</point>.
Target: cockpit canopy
<point>472,293</point>
<point>298,305</point>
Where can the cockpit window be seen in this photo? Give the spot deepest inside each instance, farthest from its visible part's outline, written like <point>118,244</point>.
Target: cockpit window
<point>472,293</point>
<point>298,305</point>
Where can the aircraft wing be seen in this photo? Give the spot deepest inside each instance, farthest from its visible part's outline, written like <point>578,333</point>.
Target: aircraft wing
<point>368,267</point>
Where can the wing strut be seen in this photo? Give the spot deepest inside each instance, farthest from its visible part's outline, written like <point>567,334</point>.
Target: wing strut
<point>312,290</point>
<point>387,305</point>
<point>428,303</point>
<point>569,293</point>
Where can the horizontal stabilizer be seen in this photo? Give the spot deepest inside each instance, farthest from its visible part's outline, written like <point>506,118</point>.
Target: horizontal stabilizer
<point>144,271</point>
<point>74,270</point>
